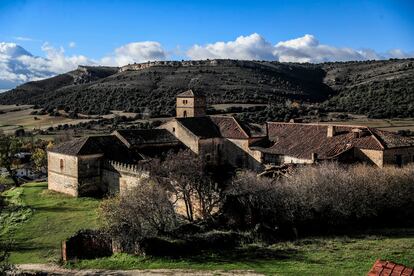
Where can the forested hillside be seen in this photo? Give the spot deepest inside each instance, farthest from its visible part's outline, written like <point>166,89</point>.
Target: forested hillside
<point>374,88</point>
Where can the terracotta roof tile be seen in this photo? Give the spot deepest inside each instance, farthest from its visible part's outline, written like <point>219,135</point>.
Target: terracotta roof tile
<point>108,145</point>
<point>301,140</point>
<point>190,93</point>
<point>382,268</point>
<point>392,140</point>
<point>202,127</point>
<point>214,126</point>
<point>229,127</point>
<point>136,137</point>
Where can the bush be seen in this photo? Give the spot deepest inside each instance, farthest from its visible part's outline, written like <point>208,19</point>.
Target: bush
<point>327,196</point>
<point>5,267</point>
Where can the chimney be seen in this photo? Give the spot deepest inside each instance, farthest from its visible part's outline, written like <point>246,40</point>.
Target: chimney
<point>331,131</point>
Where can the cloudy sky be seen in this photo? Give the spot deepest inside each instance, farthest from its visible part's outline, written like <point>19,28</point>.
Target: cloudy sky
<point>42,38</point>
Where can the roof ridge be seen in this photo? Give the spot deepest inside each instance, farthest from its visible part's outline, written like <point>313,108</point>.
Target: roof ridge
<point>317,124</point>
<point>247,135</point>
<point>376,138</point>
<point>83,144</point>
<point>178,121</point>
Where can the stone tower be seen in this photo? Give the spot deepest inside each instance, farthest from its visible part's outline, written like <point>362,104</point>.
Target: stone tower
<point>191,104</point>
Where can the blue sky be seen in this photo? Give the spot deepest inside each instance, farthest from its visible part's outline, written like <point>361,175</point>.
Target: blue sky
<point>63,34</point>
<point>97,27</point>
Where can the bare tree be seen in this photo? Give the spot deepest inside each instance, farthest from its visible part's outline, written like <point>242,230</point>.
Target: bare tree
<point>329,194</point>
<point>144,211</point>
<point>184,175</point>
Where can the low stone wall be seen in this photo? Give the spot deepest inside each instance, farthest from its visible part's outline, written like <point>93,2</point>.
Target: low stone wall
<point>119,177</point>
<point>86,244</point>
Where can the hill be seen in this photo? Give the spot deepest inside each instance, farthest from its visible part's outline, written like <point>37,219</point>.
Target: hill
<point>377,88</point>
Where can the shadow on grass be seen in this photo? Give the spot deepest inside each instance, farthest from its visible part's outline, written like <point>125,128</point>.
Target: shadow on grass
<point>27,246</point>
<point>250,254</point>
<point>375,233</point>
<point>59,209</point>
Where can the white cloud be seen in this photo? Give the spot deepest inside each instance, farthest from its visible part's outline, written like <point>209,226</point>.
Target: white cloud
<point>303,49</point>
<point>18,65</point>
<point>308,49</point>
<point>135,52</point>
<point>252,47</point>
<point>72,44</point>
<point>398,53</point>
<point>23,38</point>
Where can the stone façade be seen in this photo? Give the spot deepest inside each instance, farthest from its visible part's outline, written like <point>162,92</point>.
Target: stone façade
<point>113,163</point>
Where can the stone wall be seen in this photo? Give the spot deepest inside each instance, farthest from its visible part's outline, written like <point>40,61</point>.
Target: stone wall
<point>238,153</point>
<point>86,244</point>
<point>374,157</point>
<point>194,107</point>
<point>210,150</point>
<point>119,177</point>
<point>89,175</point>
<point>290,159</point>
<point>407,155</point>
<point>63,173</point>
<point>182,134</point>
<point>198,63</point>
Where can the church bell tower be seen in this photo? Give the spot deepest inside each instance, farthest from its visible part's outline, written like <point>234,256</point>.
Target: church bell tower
<point>191,104</point>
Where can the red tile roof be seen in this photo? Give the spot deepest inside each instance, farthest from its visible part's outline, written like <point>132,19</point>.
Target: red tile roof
<point>229,127</point>
<point>108,145</point>
<point>214,126</point>
<point>382,268</point>
<point>301,140</point>
<point>391,139</point>
<point>190,94</point>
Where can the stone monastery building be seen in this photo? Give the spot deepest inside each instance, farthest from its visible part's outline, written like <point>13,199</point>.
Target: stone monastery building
<point>112,163</point>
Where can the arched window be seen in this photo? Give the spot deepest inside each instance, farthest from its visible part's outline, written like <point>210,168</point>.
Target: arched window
<point>61,164</point>
<point>185,113</point>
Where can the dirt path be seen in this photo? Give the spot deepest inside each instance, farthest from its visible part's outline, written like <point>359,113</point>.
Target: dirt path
<point>49,269</point>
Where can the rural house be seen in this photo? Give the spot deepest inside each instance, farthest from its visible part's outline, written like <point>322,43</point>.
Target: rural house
<point>112,163</point>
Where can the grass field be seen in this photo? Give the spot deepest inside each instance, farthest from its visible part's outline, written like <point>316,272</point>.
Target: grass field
<point>19,116</point>
<point>227,105</point>
<point>47,218</point>
<point>41,220</point>
<point>384,124</point>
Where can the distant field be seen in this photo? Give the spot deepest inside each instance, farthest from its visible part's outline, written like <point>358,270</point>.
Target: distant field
<point>227,105</point>
<point>19,116</point>
<point>385,124</point>
<point>46,218</point>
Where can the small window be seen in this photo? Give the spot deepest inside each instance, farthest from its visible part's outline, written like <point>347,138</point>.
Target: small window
<point>398,160</point>
<point>185,113</point>
<point>61,164</point>
<point>185,101</point>
<point>173,129</point>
